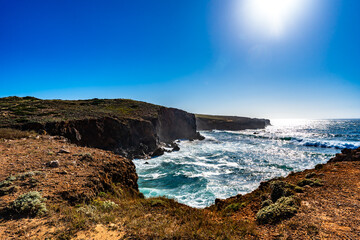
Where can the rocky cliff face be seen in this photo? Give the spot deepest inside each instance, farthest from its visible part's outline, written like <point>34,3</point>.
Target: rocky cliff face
<point>175,124</point>
<point>133,138</point>
<point>208,122</point>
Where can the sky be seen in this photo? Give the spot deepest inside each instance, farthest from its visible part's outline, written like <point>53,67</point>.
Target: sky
<point>257,58</point>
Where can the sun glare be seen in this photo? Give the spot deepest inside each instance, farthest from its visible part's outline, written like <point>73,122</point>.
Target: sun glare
<point>271,16</point>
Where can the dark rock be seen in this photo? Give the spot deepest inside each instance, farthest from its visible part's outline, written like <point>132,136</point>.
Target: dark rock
<point>53,164</point>
<point>64,151</point>
<point>158,152</point>
<point>347,155</point>
<point>176,148</point>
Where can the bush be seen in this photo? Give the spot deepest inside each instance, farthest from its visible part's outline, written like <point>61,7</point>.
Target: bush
<point>233,207</point>
<point>299,189</point>
<point>8,190</point>
<point>157,203</point>
<point>266,203</point>
<point>23,176</point>
<point>310,182</point>
<point>277,190</point>
<point>285,207</point>
<point>31,204</point>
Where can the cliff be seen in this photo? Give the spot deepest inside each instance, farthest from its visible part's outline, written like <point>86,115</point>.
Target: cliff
<point>211,122</point>
<point>130,128</point>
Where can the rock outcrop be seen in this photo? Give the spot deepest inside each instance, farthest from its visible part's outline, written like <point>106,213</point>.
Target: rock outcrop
<point>175,124</point>
<point>209,122</point>
<point>347,155</point>
<point>130,137</point>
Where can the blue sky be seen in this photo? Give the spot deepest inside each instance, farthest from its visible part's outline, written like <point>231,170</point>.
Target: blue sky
<point>203,56</point>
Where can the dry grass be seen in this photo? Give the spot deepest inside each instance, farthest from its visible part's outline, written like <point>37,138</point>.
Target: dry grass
<point>9,133</point>
<point>142,219</point>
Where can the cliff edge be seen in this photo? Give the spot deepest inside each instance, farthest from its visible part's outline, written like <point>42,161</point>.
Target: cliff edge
<point>130,128</point>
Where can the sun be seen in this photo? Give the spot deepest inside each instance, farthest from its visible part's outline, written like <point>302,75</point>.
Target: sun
<point>272,17</point>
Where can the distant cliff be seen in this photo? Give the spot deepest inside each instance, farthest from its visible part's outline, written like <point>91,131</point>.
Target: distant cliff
<point>211,122</point>
<point>130,128</point>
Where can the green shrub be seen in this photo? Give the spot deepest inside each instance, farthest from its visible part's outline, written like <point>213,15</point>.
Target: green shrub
<point>11,178</point>
<point>277,190</point>
<point>88,210</point>
<point>157,203</point>
<point>233,207</point>
<point>5,183</point>
<point>284,208</point>
<point>8,190</point>
<point>23,176</point>
<point>102,194</point>
<point>30,203</point>
<point>107,205</point>
<point>310,182</point>
<point>299,189</point>
<point>266,203</point>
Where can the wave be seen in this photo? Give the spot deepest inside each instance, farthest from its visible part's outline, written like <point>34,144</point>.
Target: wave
<point>308,142</point>
<point>331,144</point>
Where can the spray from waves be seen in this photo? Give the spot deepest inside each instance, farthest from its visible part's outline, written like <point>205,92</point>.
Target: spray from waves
<point>305,142</point>
<point>228,163</point>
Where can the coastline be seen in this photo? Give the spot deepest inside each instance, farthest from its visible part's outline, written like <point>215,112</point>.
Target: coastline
<point>66,188</point>
<point>318,203</point>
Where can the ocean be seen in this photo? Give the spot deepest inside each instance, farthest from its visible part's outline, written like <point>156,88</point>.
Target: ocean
<point>228,163</point>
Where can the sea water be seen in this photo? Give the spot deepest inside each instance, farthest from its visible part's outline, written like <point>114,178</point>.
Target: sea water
<point>228,163</point>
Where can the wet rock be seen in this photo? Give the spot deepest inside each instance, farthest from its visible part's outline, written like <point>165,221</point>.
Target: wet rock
<point>158,152</point>
<point>174,146</point>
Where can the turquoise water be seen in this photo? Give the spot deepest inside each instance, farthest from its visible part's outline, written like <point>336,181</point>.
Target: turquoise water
<point>227,163</point>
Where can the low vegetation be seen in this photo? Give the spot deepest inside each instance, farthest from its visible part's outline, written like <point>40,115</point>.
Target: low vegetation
<point>283,208</point>
<point>281,205</point>
<point>29,204</point>
<point>9,133</point>
<point>153,218</point>
<point>310,182</point>
<point>17,111</point>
